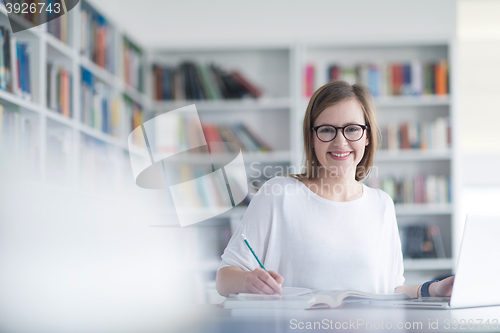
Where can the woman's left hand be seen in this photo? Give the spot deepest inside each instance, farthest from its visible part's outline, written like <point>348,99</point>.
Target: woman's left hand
<point>442,288</point>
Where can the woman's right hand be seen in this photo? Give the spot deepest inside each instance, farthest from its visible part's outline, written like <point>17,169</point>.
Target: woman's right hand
<point>259,281</point>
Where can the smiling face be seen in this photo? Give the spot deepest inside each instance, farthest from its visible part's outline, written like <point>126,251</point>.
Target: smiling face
<point>340,156</point>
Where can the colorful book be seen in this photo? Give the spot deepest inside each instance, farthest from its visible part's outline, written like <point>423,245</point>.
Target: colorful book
<point>309,80</point>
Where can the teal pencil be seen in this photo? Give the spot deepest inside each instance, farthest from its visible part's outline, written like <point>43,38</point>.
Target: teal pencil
<point>246,242</point>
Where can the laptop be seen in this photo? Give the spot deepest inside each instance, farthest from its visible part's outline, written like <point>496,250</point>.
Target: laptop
<point>476,279</point>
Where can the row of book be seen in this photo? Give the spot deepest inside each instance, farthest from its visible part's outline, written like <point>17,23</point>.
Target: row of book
<point>59,92</point>
<point>179,135</point>
<point>434,135</point>
<point>420,240</point>
<point>59,27</point>
<point>413,78</point>
<point>201,82</point>
<point>98,40</point>
<point>132,65</point>
<point>417,189</point>
<point>99,109</point>
<point>14,65</point>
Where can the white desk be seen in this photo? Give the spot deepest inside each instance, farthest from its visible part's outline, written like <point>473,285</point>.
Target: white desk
<point>353,317</point>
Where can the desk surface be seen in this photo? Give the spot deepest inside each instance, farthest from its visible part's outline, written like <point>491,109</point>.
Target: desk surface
<point>353,317</point>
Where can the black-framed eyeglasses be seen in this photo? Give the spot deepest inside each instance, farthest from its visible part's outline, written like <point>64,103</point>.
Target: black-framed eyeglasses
<point>352,132</point>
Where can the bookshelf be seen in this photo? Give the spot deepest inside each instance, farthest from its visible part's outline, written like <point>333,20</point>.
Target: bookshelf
<point>270,69</point>
<point>72,137</point>
<point>75,148</point>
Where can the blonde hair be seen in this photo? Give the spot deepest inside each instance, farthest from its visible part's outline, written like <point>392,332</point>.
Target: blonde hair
<point>326,96</point>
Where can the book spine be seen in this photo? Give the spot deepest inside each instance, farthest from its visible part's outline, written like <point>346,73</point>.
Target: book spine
<point>398,78</point>
<point>199,89</point>
<point>59,90</point>
<point>157,82</point>
<point>244,140</point>
<point>67,94</point>
<point>230,137</point>
<point>137,119</point>
<point>231,146</point>
<point>14,65</point>
<point>3,83</point>
<point>335,73</point>
<point>6,59</point>
<point>212,85</point>
<point>106,124</point>
<point>178,85</point>
<point>309,80</point>
<point>166,92</point>
<point>22,77</point>
<point>208,131</point>
<point>250,87</point>
<point>49,84</point>
<point>233,90</point>
<point>27,71</point>
<point>205,82</point>
<point>132,64</point>
<point>442,78</point>
<point>405,142</point>
<point>407,80</point>
<point>374,80</point>
<point>417,78</point>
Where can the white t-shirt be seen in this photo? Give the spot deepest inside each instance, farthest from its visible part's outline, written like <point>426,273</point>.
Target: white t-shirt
<point>317,243</point>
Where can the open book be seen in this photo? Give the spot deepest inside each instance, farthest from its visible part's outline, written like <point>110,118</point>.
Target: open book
<point>303,298</point>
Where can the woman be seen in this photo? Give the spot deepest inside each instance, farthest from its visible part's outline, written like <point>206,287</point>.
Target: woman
<point>323,229</point>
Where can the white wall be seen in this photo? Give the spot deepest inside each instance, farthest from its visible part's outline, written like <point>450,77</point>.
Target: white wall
<point>478,32</point>
<point>478,35</point>
<point>162,23</point>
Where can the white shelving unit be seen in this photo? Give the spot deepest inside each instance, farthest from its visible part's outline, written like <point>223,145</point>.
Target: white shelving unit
<point>44,48</point>
<point>277,117</point>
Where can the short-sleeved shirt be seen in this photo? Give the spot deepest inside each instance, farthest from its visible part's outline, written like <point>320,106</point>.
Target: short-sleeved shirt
<point>317,243</point>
